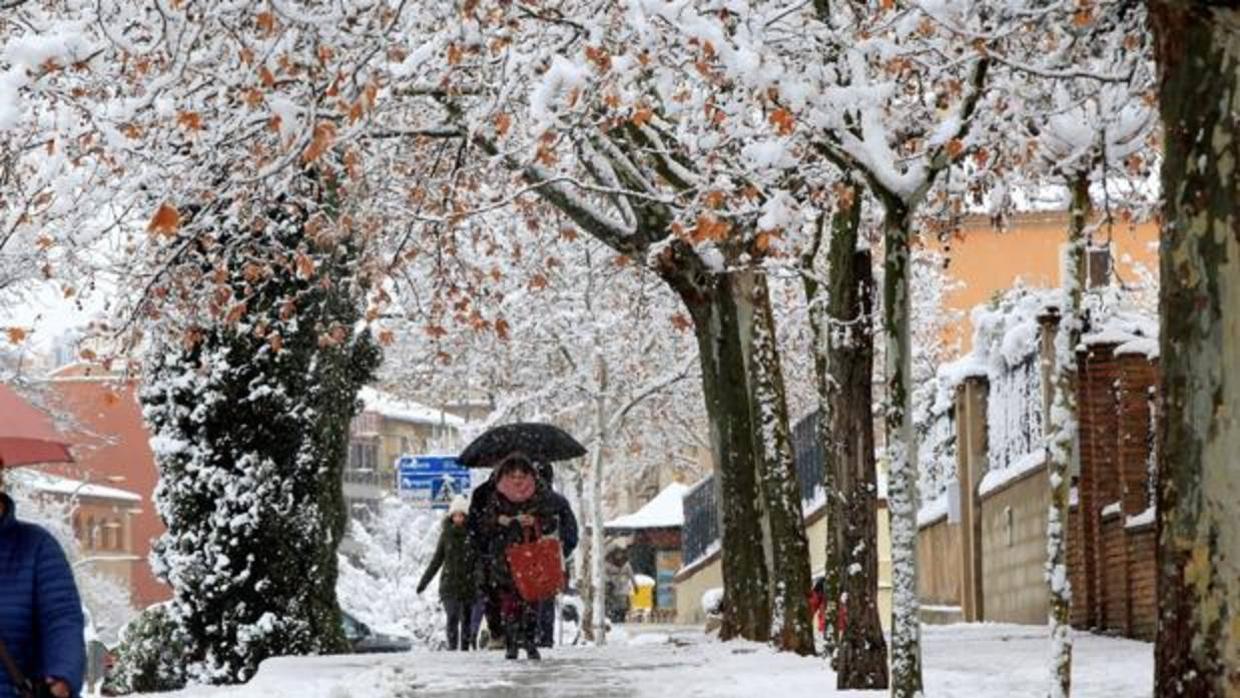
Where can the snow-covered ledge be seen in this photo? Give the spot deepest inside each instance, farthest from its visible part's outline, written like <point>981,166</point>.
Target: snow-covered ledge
<point>1112,510</point>
<point>1143,520</point>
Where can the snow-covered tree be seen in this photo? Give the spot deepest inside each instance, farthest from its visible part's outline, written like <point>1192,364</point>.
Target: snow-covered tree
<point>249,415</point>
<point>1198,644</point>
<point>379,577</point>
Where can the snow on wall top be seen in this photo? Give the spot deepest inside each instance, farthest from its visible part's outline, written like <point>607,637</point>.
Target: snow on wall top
<point>997,479</point>
<point>666,510</point>
<point>1124,328</point>
<point>392,407</point>
<point>55,484</point>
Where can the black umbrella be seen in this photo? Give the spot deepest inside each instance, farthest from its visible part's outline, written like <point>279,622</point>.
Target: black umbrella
<point>539,442</point>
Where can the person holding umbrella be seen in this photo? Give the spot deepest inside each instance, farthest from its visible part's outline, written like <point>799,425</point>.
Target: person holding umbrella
<point>534,443</point>
<point>42,650</point>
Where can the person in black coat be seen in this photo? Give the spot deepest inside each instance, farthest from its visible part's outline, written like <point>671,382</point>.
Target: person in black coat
<point>520,508</point>
<point>458,587</point>
<point>568,543</point>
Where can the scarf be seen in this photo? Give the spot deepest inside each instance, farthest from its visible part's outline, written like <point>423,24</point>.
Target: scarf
<point>517,493</point>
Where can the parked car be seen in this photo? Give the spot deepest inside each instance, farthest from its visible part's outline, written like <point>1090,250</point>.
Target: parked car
<point>363,640</point>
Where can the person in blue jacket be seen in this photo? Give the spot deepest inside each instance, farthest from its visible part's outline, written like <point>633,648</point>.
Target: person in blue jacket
<point>41,620</point>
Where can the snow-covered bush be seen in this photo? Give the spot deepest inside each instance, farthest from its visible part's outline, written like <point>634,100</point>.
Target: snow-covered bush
<point>379,573</point>
<point>249,408</point>
<point>151,655</point>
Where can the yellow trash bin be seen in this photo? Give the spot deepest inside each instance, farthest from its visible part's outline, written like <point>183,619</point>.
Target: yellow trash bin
<point>642,598</point>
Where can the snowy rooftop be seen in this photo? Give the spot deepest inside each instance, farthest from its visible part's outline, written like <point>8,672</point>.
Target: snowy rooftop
<point>666,510</point>
<point>404,410</point>
<point>55,484</point>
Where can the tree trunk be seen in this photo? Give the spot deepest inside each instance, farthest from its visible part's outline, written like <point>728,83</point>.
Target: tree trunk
<point>820,323</point>
<point>791,629</point>
<point>862,653</point>
<point>597,582</point>
<point>1197,650</point>
<point>901,453</point>
<point>719,310</point>
<point>1060,435</point>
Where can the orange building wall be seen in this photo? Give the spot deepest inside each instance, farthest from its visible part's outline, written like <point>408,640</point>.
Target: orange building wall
<point>112,442</point>
<point>988,260</point>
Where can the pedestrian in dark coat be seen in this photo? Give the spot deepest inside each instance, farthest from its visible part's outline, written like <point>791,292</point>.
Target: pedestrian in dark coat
<point>41,620</point>
<point>488,593</point>
<point>521,508</point>
<point>458,586</point>
<point>568,542</point>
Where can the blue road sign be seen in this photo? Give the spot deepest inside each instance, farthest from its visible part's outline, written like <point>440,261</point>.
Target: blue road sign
<point>431,480</point>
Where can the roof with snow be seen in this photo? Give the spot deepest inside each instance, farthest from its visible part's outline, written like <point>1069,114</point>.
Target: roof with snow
<point>403,410</point>
<point>48,483</point>
<point>666,510</point>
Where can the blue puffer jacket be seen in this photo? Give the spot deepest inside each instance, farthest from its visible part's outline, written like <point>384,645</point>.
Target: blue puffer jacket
<point>41,618</point>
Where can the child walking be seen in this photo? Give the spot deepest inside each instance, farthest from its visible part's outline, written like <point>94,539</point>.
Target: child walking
<point>458,585</point>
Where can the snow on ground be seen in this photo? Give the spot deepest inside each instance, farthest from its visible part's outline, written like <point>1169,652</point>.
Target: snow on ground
<point>962,661</point>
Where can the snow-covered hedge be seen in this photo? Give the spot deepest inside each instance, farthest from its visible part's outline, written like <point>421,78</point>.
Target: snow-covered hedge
<point>379,573</point>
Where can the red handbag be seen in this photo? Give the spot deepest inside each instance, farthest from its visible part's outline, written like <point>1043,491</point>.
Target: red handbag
<point>537,567</point>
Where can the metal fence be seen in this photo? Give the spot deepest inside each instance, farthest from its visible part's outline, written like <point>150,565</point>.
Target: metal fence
<point>701,527</point>
<point>810,458</point>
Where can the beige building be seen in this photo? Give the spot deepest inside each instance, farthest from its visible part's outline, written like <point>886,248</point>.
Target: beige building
<point>102,520</point>
<point>388,428</point>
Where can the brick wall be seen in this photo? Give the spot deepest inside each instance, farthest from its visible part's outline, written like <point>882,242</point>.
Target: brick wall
<point>1142,603</point>
<point>1138,376</point>
<point>1111,557</point>
<point>1079,616</point>
<point>1113,583</point>
<point>1096,386</point>
<point>1114,560</point>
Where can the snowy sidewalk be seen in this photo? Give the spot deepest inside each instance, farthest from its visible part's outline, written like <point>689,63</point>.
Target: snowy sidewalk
<point>961,661</point>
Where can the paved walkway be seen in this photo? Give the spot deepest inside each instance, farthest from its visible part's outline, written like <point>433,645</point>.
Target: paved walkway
<point>961,662</point>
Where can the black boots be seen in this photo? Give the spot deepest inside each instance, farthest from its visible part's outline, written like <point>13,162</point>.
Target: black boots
<point>510,645</point>
<point>531,651</point>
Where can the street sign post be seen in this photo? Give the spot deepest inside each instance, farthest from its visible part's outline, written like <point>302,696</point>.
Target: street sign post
<point>431,481</point>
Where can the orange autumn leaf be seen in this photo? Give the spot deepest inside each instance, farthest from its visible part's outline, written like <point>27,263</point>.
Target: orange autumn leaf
<point>709,227</point>
<point>436,331</point>
<point>266,22</point>
<point>455,53</point>
<point>386,338</point>
<point>715,199</point>
<point>642,116</point>
<point>763,242</point>
<point>783,121</point>
<point>546,155</point>
<point>266,77</point>
<point>305,266</point>
<point>324,137</point>
<point>954,148</point>
<point>190,120</point>
<point>16,335</point>
<point>538,282</point>
<point>599,58</point>
<point>501,328</point>
<point>253,98</point>
<point>502,123</point>
<point>235,313</point>
<point>165,222</point>
<point>681,323</point>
